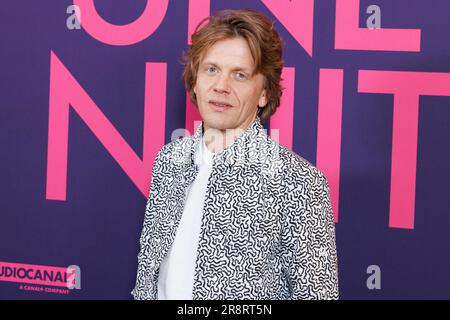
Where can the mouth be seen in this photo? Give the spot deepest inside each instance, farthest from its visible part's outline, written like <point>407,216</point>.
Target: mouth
<point>219,106</point>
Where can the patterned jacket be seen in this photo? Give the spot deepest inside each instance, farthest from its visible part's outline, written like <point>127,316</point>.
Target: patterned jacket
<point>267,229</point>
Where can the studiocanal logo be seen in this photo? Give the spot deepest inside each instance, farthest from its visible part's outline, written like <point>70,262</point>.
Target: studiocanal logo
<point>39,278</point>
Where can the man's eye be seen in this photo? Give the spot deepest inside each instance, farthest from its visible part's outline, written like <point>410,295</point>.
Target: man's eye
<point>241,76</point>
<point>211,69</point>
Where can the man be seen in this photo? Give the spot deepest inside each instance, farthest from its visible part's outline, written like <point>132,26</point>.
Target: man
<point>231,213</point>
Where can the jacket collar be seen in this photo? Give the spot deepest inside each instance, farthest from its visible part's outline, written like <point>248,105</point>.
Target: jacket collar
<point>245,145</point>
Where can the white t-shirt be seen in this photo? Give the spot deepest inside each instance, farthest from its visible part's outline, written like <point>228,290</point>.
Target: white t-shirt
<point>176,272</point>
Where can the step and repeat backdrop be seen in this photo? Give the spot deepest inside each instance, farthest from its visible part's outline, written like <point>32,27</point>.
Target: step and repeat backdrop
<point>91,90</point>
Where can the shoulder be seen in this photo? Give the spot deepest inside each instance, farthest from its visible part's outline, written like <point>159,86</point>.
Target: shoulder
<point>303,189</point>
<point>295,169</point>
<point>174,151</point>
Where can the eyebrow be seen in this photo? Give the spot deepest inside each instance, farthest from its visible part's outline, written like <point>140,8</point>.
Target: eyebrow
<point>237,68</point>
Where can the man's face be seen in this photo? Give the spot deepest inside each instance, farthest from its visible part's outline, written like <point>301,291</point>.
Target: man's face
<point>225,77</point>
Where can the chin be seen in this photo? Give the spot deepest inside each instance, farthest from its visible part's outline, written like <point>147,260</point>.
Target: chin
<point>218,122</point>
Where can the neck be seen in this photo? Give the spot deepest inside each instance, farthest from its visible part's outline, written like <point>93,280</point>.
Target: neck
<point>217,140</point>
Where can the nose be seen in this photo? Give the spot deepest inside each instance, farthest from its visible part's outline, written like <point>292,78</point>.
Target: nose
<point>222,85</point>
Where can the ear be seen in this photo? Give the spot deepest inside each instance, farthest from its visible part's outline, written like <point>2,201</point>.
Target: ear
<point>262,99</point>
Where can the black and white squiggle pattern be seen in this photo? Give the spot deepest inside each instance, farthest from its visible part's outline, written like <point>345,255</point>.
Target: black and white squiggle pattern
<point>267,230</point>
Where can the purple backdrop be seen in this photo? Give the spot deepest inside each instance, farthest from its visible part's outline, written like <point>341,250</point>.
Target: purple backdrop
<point>97,227</point>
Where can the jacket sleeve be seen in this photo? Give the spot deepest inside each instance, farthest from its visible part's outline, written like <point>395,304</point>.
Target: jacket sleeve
<point>309,257</point>
<point>143,289</point>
